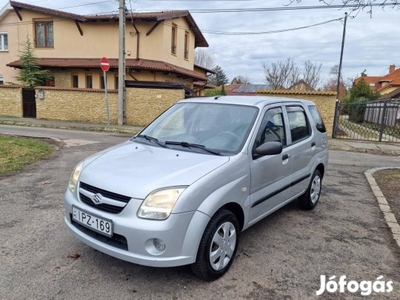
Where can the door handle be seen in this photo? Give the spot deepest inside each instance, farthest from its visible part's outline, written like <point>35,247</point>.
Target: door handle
<point>312,144</point>
<point>286,156</point>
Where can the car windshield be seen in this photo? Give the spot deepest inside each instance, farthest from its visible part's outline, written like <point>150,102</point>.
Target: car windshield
<point>222,128</point>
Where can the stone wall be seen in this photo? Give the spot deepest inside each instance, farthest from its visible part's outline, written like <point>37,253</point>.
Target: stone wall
<point>10,101</point>
<point>143,105</point>
<point>325,102</point>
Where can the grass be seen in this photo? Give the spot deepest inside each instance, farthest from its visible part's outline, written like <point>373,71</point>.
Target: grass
<point>388,181</point>
<point>16,153</point>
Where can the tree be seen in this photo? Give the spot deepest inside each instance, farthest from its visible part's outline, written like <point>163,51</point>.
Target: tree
<point>240,80</point>
<point>204,58</point>
<point>358,5</point>
<point>219,78</point>
<point>312,73</point>
<point>31,74</point>
<point>361,90</point>
<point>283,74</point>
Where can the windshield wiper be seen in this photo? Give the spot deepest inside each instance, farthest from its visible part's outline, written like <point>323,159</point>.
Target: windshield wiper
<point>151,139</point>
<point>190,145</point>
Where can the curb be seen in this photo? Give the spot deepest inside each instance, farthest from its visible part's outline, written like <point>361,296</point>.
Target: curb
<point>383,204</point>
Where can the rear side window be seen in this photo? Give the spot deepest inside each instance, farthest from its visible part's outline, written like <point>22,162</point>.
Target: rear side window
<point>299,128</point>
<point>317,118</point>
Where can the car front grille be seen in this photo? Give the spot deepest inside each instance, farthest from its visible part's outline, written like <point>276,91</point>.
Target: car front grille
<point>103,206</point>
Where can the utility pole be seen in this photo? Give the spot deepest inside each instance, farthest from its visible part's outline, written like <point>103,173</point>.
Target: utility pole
<point>121,63</point>
<point>341,57</point>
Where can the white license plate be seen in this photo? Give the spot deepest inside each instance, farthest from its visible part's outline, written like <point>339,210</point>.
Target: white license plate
<point>95,223</point>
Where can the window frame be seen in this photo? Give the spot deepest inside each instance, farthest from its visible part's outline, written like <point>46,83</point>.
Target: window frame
<point>186,46</point>
<point>87,85</point>
<point>174,38</point>
<point>3,44</point>
<point>298,108</point>
<point>46,33</point>
<point>75,76</point>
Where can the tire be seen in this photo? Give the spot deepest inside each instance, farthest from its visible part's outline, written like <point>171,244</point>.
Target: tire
<point>309,199</point>
<point>218,246</point>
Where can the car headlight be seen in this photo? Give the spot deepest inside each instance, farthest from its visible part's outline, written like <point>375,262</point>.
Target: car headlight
<point>159,204</point>
<point>73,180</point>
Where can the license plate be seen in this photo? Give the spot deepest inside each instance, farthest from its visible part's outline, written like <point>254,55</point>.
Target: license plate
<point>95,223</point>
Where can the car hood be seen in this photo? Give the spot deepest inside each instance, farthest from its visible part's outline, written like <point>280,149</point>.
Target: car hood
<point>134,169</point>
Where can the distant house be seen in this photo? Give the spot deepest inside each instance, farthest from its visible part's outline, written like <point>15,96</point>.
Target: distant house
<point>301,85</point>
<point>159,47</point>
<point>388,85</point>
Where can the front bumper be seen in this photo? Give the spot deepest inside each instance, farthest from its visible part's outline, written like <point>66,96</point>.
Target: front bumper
<point>132,239</point>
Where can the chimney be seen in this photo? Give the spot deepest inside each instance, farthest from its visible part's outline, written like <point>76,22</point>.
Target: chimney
<point>392,68</point>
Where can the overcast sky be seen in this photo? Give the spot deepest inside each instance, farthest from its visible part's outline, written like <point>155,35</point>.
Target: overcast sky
<point>371,44</point>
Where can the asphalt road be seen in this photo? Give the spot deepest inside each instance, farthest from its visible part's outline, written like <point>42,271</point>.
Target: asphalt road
<point>281,257</point>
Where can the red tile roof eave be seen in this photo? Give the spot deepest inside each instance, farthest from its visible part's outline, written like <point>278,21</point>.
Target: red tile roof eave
<point>148,65</point>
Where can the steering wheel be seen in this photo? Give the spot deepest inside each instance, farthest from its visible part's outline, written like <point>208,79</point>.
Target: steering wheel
<point>229,134</point>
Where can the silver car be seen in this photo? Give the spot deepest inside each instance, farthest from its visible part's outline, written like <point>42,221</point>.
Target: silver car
<point>182,190</point>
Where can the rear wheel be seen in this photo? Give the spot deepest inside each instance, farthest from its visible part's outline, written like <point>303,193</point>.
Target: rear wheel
<point>309,199</point>
<point>218,246</point>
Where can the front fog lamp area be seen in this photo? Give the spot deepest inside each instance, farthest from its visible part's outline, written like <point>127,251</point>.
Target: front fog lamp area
<point>159,204</point>
<point>73,180</point>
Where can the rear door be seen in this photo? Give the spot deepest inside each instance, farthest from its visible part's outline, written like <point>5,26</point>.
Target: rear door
<point>270,175</point>
<point>301,142</point>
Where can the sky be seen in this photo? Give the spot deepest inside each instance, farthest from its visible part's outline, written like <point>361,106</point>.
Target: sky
<point>259,32</point>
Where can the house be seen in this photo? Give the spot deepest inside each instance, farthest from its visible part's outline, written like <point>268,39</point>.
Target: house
<point>301,85</point>
<point>388,85</point>
<point>159,48</point>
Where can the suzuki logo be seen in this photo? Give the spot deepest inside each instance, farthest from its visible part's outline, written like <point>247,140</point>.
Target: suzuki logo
<point>97,198</point>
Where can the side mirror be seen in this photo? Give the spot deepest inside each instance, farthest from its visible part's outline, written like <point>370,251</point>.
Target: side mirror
<point>268,148</point>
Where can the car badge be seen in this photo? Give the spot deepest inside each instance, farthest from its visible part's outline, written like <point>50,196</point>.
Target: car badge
<point>97,198</point>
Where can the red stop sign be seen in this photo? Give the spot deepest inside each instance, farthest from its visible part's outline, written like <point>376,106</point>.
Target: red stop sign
<point>104,64</point>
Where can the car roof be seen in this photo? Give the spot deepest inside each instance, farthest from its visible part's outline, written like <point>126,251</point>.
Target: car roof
<point>258,101</point>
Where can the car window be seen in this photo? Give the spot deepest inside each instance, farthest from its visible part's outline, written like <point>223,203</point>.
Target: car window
<point>317,118</point>
<point>220,127</point>
<point>272,128</point>
<point>299,128</point>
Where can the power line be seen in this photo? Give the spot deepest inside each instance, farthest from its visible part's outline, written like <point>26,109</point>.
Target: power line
<point>270,32</point>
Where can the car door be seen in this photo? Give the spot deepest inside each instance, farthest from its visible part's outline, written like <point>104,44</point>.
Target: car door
<point>301,142</point>
<point>270,174</point>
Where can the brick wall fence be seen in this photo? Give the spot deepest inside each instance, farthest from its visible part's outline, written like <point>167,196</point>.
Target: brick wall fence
<point>88,105</point>
<point>142,105</point>
<point>10,101</point>
<point>325,101</point>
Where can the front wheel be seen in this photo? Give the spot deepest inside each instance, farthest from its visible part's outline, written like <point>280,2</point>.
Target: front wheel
<point>218,246</point>
<point>309,199</point>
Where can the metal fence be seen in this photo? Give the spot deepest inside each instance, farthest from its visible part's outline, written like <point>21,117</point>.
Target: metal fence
<point>370,121</point>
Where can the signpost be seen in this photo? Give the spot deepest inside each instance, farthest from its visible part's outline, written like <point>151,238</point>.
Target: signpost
<point>105,66</point>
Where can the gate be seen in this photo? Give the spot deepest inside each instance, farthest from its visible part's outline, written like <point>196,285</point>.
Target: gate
<point>369,121</point>
<point>28,103</point>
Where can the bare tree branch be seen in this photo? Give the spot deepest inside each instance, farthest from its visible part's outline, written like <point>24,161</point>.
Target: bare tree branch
<point>204,58</point>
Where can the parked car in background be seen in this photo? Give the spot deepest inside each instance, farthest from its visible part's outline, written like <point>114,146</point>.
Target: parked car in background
<point>182,190</point>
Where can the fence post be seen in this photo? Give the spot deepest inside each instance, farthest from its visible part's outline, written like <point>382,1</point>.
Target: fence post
<point>383,120</point>
<point>336,119</point>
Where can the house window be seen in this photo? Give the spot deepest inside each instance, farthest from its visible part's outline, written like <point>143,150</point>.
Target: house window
<point>186,50</point>
<point>89,81</point>
<point>50,81</point>
<point>75,81</point>
<point>44,34</point>
<point>1,79</point>
<point>116,83</point>
<point>3,41</point>
<point>174,33</point>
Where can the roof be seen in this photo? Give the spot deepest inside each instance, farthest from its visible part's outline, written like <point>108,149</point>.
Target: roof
<point>297,92</point>
<point>94,63</point>
<point>52,12</point>
<point>258,101</point>
<point>200,40</point>
<point>393,79</point>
